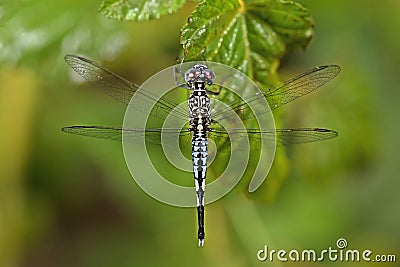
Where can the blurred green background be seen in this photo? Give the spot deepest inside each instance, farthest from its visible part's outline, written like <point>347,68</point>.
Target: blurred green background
<point>70,201</point>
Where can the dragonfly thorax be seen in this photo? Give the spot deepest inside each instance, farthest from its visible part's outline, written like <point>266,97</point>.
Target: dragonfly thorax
<point>199,103</point>
<point>201,74</point>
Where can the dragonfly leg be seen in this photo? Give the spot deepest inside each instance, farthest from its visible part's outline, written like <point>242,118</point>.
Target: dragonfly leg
<point>203,55</point>
<point>218,91</point>
<point>215,92</point>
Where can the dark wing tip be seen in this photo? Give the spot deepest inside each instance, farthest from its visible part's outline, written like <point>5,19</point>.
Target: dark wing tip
<point>70,129</point>
<point>68,58</point>
<point>324,130</point>
<point>333,133</point>
<point>334,69</point>
<point>71,58</point>
<point>66,129</point>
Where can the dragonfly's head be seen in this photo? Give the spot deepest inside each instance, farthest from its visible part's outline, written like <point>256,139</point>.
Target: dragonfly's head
<point>200,73</point>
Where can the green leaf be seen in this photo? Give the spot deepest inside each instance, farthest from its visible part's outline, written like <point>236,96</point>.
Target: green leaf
<point>138,10</point>
<point>251,36</point>
<point>34,32</point>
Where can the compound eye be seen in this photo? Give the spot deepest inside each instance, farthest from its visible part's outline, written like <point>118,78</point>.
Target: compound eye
<point>209,74</point>
<point>192,74</point>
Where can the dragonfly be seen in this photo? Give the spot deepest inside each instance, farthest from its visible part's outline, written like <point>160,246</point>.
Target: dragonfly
<point>203,120</point>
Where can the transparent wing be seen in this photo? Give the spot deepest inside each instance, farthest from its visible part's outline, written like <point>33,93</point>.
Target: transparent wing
<point>152,135</point>
<point>122,89</point>
<point>282,136</point>
<point>220,136</point>
<point>281,94</point>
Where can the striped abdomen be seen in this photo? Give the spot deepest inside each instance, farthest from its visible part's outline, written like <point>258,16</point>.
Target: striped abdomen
<point>199,113</point>
<point>199,158</point>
